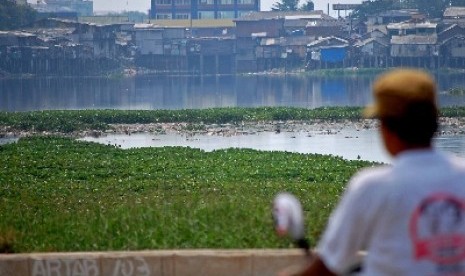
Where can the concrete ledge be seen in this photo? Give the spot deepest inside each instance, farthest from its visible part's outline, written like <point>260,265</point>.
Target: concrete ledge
<point>145,263</point>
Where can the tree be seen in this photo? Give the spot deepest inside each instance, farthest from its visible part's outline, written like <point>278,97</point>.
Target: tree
<point>133,16</point>
<point>373,7</point>
<point>308,6</point>
<point>285,5</point>
<point>13,16</point>
<point>457,3</point>
<point>431,8</point>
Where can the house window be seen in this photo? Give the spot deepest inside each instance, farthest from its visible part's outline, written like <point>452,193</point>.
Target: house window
<point>163,2</point>
<point>226,2</point>
<point>245,2</point>
<point>182,16</point>
<point>182,2</point>
<point>226,14</point>
<point>410,32</point>
<point>242,13</point>
<point>206,14</point>
<point>206,2</point>
<point>163,16</point>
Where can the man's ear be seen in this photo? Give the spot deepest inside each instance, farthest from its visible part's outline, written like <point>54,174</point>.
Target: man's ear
<point>392,143</point>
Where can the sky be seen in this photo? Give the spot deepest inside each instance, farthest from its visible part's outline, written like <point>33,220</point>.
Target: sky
<point>144,5</point>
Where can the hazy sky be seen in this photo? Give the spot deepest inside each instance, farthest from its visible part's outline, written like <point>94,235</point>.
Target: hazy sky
<point>144,5</point>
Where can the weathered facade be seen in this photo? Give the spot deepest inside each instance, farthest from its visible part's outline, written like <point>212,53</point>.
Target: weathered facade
<point>211,56</point>
<point>413,44</point>
<point>371,52</point>
<point>67,48</point>
<point>257,42</point>
<point>328,52</point>
<point>454,15</point>
<point>453,52</point>
<point>161,49</point>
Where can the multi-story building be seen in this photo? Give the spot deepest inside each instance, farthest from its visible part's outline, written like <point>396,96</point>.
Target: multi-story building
<point>201,9</point>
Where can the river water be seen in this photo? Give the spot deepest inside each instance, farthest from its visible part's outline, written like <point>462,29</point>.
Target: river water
<point>163,92</point>
<point>187,92</point>
<point>346,143</point>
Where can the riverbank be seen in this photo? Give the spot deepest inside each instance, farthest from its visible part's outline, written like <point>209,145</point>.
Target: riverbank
<point>448,126</point>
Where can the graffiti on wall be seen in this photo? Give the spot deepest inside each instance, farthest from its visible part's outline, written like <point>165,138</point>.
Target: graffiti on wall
<point>136,266</point>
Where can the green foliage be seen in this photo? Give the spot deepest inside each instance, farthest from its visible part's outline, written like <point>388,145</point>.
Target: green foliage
<point>77,120</point>
<point>373,7</point>
<point>457,91</point>
<point>14,16</point>
<point>431,8</point>
<point>285,5</point>
<point>68,121</point>
<point>133,16</point>
<point>453,111</point>
<point>58,194</point>
<point>308,6</point>
<point>457,3</point>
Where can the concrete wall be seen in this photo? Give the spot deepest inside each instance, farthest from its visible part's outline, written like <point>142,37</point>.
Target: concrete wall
<point>164,263</point>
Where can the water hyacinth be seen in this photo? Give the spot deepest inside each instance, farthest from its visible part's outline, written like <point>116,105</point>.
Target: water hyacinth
<point>59,194</point>
<point>68,121</point>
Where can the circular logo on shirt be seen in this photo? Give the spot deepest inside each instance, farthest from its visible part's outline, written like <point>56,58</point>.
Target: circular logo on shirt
<point>437,229</point>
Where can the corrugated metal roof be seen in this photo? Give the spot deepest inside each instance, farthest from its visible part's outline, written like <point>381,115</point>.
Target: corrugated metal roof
<point>449,28</point>
<point>327,40</point>
<point>457,37</point>
<point>398,13</point>
<point>105,20</point>
<point>195,23</point>
<point>409,25</point>
<point>414,39</point>
<point>454,12</point>
<point>369,40</point>
<point>323,24</point>
<point>304,16</point>
<point>139,26</point>
<point>287,15</point>
<point>16,33</point>
<point>299,23</point>
<point>269,41</point>
<point>260,34</point>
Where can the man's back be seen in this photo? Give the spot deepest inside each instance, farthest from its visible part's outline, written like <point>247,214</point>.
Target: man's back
<point>410,217</point>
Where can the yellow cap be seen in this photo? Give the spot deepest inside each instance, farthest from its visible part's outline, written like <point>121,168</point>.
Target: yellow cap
<point>396,90</point>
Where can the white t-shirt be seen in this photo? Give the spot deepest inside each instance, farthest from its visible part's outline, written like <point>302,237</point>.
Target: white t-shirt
<point>409,217</point>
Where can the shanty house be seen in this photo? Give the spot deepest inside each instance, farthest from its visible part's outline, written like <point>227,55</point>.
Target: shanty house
<point>454,15</point>
<point>372,52</point>
<point>327,52</point>
<point>413,44</point>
